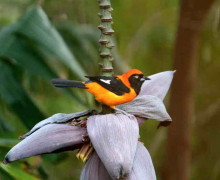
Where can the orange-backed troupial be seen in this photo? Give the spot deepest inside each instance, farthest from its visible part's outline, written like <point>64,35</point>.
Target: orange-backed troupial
<point>110,91</point>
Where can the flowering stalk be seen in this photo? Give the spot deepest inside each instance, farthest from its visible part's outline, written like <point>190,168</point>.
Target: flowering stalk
<point>106,42</point>
<point>106,55</point>
<point>106,37</point>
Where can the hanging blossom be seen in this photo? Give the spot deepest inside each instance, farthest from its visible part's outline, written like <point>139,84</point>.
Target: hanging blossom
<point>109,142</point>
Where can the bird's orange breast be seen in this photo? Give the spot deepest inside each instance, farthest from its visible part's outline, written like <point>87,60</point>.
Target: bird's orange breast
<point>107,97</point>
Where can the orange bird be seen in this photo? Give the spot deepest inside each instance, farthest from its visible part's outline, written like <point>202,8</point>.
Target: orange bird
<point>110,91</point>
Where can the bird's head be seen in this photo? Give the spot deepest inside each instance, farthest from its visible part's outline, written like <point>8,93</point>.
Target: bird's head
<point>135,79</point>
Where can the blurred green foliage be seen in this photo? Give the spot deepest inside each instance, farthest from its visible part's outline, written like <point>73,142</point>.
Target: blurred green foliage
<point>35,49</point>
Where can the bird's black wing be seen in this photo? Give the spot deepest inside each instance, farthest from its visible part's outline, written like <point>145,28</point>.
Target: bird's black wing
<point>112,84</point>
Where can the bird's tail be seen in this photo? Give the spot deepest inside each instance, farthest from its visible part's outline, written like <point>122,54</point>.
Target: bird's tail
<point>62,83</point>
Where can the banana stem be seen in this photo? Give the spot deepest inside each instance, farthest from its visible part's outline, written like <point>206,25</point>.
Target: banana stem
<point>106,37</point>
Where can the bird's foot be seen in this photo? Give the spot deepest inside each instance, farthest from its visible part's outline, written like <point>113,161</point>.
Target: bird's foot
<point>81,123</point>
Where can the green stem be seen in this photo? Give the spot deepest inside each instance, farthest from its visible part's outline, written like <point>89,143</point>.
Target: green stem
<point>106,37</point>
<point>106,43</point>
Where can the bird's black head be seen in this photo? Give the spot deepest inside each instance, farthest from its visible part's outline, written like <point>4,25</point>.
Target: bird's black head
<point>136,81</point>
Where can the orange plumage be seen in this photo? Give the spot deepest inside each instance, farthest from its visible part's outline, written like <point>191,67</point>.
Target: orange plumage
<point>109,98</point>
<point>110,91</point>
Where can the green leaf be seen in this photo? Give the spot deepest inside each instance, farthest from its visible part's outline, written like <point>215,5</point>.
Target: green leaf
<point>8,143</point>
<point>21,52</point>
<point>17,49</point>
<point>22,43</point>
<point>4,125</point>
<point>82,43</point>
<point>5,176</point>
<point>17,99</point>
<point>17,173</point>
<point>36,26</point>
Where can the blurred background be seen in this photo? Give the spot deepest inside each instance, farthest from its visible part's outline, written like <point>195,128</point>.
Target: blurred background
<point>41,40</point>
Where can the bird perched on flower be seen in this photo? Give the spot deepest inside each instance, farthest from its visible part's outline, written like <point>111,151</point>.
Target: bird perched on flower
<point>110,134</point>
<point>110,91</point>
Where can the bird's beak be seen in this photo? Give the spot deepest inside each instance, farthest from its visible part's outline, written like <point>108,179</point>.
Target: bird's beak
<point>145,78</point>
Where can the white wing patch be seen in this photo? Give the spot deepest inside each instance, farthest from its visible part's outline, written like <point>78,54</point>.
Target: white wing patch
<point>106,81</point>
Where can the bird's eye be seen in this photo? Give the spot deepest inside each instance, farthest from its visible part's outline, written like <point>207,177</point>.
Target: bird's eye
<point>136,76</point>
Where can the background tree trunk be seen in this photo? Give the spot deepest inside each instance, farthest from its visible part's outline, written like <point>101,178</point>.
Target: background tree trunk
<point>177,161</point>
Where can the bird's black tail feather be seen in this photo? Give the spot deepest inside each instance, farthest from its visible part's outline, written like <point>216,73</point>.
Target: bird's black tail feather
<point>62,83</point>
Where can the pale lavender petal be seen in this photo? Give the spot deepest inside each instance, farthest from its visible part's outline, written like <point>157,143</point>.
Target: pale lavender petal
<point>48,139</point>
<point>158,85</point>
<point>114,137</point>
<point>94,169</point>
<point>140,120</point>
<point>59,118</point>
<point>143,168</point>
<point>146,106</point>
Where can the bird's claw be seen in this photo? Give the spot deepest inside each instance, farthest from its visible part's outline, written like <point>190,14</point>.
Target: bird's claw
<point>81,123</point>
